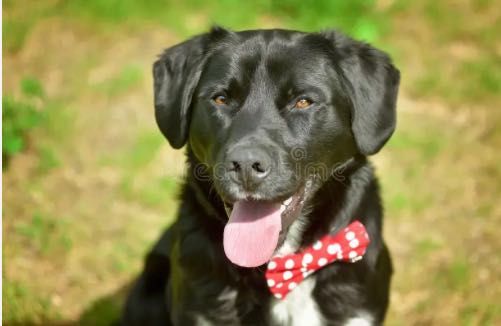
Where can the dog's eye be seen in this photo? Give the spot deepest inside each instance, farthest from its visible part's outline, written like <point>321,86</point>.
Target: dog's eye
<point>220,99</point>
<point>303,103</point>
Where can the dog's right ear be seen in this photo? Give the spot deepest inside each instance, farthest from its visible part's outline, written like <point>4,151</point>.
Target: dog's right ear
<point>176,74</point>
<point>372,82</point>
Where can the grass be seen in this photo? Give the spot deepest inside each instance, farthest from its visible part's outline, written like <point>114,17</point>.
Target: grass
<point>153,194</point>
<point>93,182</point>
<point>46,234</point>
<point>156,192</point>
<point>48,160</point>
<point>419,152</point>
<point>358,17</point>
<point>28,115</point>
<point>427,246</point>
<point>469,77</point>
<point>481,313</point>
<point>458,275</point>
<point>21,115</point>
<point>473,80</point>
<point>127,78</point>
<point>143,150</point>
<point>466,56</point>
<point>25,305</point>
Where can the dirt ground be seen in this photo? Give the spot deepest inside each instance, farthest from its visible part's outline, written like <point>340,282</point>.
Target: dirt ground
<point>74,234</point>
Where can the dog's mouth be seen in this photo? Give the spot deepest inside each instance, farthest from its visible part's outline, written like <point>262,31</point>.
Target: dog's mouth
<point>253,229</point>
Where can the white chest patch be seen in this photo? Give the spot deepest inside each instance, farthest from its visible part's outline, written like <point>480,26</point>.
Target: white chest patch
<point>363,319</point>
<point>298,308</point>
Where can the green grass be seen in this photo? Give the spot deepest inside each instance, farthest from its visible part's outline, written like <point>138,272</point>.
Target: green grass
<point>126,79</point>
<point>404,200</point>
<point>14,34</point>
<point>472,79</point>
<point>31,86</point>
<point>358,17</point>
<point>479,313</point>
<point>472,72</point>
<point>142,151</point>
<point>20,116</point>
<point>48,159</point>
<point>426,246</point>
<point>46,234</point>
<point>20,17</point>
<point>22,304</point>
<point>459,274</point>
<point>426,145</point>
<point>354,15</point>
<point>30,118</point>
<point>454,276</point>
<point>405,189</point>
<point>156,193</point>
<point>481,76</point>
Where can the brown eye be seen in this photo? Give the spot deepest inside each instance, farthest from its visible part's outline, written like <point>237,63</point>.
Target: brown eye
<point>220,100</point>
<point>303,103</point>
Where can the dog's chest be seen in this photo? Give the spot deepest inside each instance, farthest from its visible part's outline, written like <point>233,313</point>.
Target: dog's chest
<point>298,308</point>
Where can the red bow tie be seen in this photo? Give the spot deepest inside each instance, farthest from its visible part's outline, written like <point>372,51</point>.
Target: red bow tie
<point>284,273</point>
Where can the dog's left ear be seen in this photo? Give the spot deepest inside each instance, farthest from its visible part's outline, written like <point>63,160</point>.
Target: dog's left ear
<point>175,76</point>
<point>373,86</point>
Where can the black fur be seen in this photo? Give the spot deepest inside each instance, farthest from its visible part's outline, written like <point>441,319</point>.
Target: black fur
<point>353,88</point>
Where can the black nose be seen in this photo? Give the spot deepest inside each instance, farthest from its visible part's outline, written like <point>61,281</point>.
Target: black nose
<point>248,166</point>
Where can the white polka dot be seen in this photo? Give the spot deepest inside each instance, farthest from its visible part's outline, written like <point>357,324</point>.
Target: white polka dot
<point>340,255</point>
<point>350,236</point>
<point>292,285</point>
<point>317,245</point>
<point>307,259</point>
<point>278,296</point>
<point>354,243</point>
<point>272,265</point>
<point>322,261</point>
<point>289,264</point>
<point>279,285</point>
<point>333,248</point>
<point>303,269</point>
<point>271,282</point>
<point>307,273</point>
<point>287,275</point>
<point>353,254</point>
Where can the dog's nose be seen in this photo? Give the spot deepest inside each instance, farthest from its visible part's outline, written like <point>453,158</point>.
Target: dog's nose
<point>248,166</point>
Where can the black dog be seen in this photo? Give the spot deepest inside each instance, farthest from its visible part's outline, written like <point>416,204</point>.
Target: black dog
<point>278,125</point>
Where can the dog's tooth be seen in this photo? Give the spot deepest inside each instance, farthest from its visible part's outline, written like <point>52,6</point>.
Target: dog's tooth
<point>282,208</point>
<point>288,201</point>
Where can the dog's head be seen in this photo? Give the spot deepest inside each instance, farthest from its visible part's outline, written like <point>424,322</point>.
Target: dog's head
<point>272,113</point>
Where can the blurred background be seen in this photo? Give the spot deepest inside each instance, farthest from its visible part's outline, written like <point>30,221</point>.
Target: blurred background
<point>89,183</point>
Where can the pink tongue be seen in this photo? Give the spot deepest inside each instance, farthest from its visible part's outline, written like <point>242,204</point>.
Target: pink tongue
<point>251,234</point>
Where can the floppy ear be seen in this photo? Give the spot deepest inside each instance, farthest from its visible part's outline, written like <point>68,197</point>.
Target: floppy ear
<point>176,74</point>
<point>372,82</point>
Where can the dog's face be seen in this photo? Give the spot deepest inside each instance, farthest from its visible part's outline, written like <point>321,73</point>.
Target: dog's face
<point>273,114</point>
